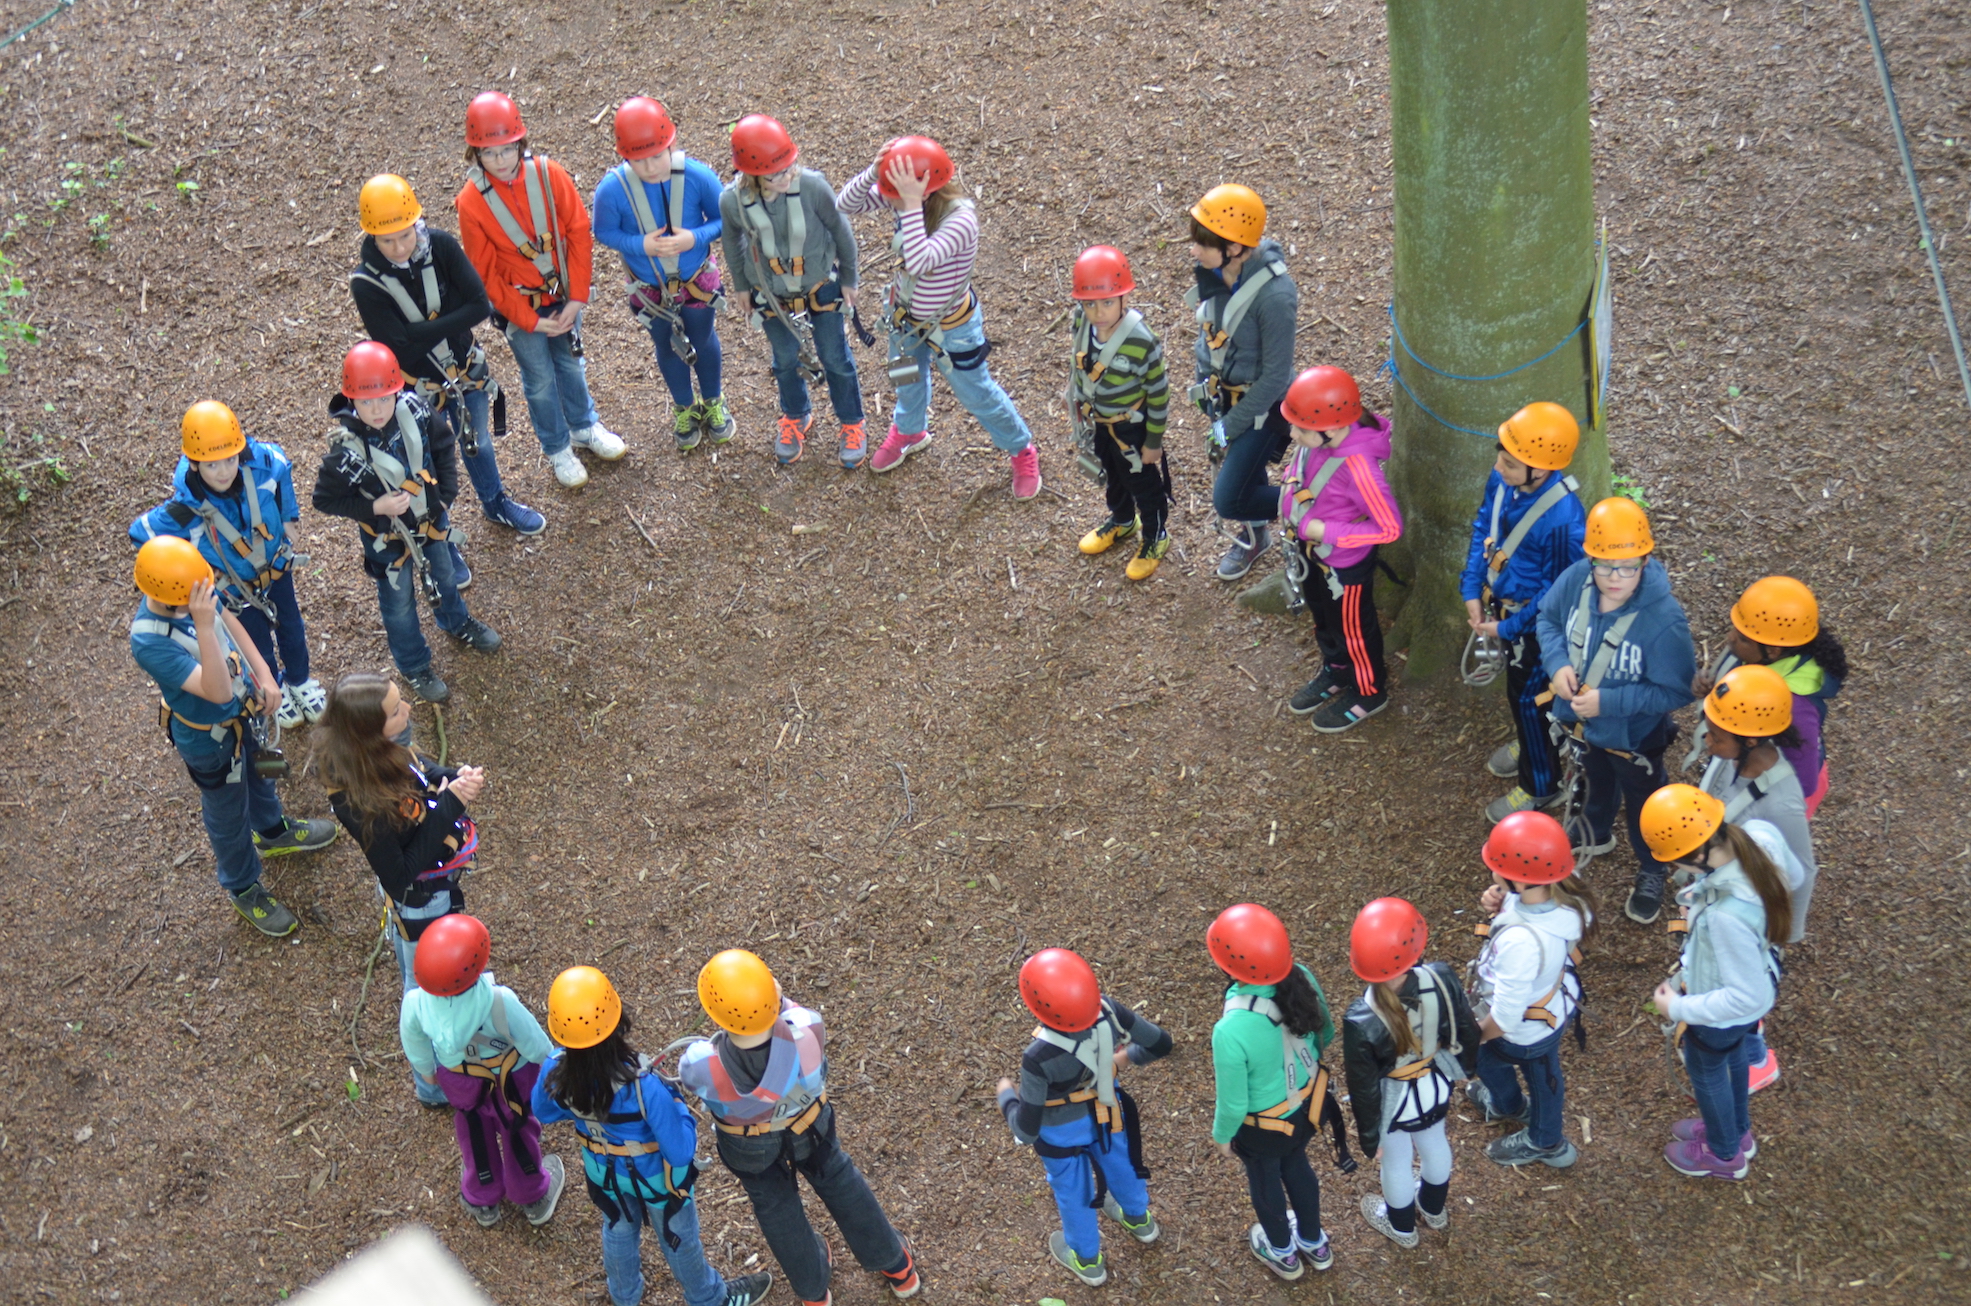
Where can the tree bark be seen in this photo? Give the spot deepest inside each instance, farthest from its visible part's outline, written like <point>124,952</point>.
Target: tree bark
<point>1494,265</point>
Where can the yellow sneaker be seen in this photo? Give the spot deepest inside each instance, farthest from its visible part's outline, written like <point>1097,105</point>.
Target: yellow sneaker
<point>1111,530</point>
<point>1144,564</point>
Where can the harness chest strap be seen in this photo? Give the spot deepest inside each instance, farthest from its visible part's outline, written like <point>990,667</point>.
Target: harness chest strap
<point>222,731</point>
<point>548,258</point>
<point>1219,326</point>
<point>1611,640</point>
<point>441,353</point>
<point>1496,559</point>
<point>795,1124</point>
<point>1538,1010</point>
<point>759,220</point>
<point>412,474</point>
<point>1294,1052</point>
<point>646,220</point>
<point>1312,491</point>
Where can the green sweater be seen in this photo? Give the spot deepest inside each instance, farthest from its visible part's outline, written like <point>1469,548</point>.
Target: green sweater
<point>1247,1061</point>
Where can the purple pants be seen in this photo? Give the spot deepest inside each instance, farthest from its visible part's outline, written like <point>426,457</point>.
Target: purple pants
<point>499,1143</point>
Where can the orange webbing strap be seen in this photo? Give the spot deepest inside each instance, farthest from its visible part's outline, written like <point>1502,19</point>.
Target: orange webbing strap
<point>1079,1095</point>
<point>1415,1070</point>
<point>1109,1116</point>
<point>1678,926</point>
<point>601,1148</point>
<point>1275,1117</point>
<point>800,1124</point>
<point>1538,1011</point>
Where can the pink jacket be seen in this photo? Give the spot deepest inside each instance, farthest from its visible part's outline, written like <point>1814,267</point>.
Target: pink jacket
<point>1355,507</point>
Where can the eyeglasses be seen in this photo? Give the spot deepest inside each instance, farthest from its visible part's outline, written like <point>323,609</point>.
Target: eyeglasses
<point>1622,569</point>
<point>499,153</point>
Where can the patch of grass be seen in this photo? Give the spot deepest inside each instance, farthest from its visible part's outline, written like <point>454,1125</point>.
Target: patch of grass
<point>1629,488</point>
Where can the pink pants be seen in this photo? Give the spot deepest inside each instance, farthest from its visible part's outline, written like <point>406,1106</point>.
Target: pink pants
<point>499,1142</point>
<point>1820,792</point>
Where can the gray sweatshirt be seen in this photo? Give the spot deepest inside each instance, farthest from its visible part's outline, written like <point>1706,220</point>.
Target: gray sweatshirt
<point>829,240</point>
<point>1261,351</point>
<point>1776,798</point>
<point>1726,978</point>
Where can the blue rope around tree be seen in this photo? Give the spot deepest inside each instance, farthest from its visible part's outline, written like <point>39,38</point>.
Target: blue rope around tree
<point>1396,339</point>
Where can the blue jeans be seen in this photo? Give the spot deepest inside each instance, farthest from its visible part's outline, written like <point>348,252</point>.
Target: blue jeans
<point>1500,1065</point>
<point>976,390</point>
<point>1718,1062</point>
<point>484,469</point>
<point>400,602</point>
<point>831,348</point>
<point>701,329</point>
<point>622,1253</point>
<point>291,667</point>
<point>1074,1185</point>
<point>232,813</point>
<point>556,384</point>
<point>1241,492</point>
<point>429,1094</point>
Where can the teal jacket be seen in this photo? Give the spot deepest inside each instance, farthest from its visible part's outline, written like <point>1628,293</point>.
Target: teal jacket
<point>1247,1061</point>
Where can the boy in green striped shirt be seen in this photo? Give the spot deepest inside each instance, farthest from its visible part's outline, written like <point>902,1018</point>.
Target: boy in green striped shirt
<point>1120,401</point>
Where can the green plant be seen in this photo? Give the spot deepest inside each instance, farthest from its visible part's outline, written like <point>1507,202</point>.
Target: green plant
<point>11,329</point>
<point>71,183</point>
<point>99,234</point>
<point>1629,488</point>
<point>187,188</point>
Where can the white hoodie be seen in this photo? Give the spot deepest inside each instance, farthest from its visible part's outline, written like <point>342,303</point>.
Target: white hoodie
<point>1524,958</point>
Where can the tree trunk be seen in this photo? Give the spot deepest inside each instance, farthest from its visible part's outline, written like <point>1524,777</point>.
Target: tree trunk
<point>1494,265</point>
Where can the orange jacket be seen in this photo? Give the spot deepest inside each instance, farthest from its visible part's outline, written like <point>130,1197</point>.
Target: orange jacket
<point>501,266</point>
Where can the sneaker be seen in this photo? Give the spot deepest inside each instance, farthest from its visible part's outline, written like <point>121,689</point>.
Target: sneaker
<point>1094,1273</point>
<point>1376,1212</point>
<point>793,435</point>
<point>896,447</point>
<point>1518,800</point>
<point>1248,542</point>
<point>1688,1156</point>
<point>288,715</point>
<point>1287,1266</point>
<point>539,1213</point>
<point>1149,555</point>
<point>749,1290</point>
<point>1106,533</point>
<point>1442,1220</point>
<point>1692,1131</point>
<point>516,516</point>
<point>488,1216</point>
<point>299,837</point>
<point>1764,1074</point>
<point>718,423</point>
<point>1646,898</point>
<point>1518,1149</point>
<point>1504,761</point>
<point>1481,1097</point>
<point>855,438</point>
<point>1026,473</point>
<point>1144,1230</point>
<point>313,699</point>
<point>1319,1253</point>
<point>481,637</point>
<point>1345,710</point>
<point>600,441</point>
<point>904,1282</point>
<point>684,426</point>
<point>427,686</point>
<point>568,469</point>
<point>1593,847</point>
<point>1314,693</point>
<point>263,913</point>
<point>461,574</point>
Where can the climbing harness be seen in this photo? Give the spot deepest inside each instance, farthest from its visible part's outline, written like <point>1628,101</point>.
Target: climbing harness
<point>1110,1107</point>
<point>457,377</point>
<point>1315,1088</point>
<point>665,303</point>
<point>1567,986</point>
<point>362,459</point>
<point>1485,655</point>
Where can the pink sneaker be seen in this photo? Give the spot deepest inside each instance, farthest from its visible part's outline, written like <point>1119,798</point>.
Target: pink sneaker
<point>1764,1074</point>
<point>1026,473</point>
<point>1692,1131</point>
<point>896,447</point>
<point>1695,1159</point>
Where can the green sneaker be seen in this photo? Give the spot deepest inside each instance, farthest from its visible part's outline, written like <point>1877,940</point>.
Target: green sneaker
<point>717,422</point>
<point>300,837</point>
<point>685,426</point>
<point>263,912</point>
<point>1094,1273</point>
<point>1144,1230</point>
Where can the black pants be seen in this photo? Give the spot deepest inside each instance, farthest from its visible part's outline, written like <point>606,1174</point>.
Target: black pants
<point>1345,625</point>
<point>1526,680</point>
<point>1144,494</point>
<point>1624,782</point>
<point>1277,1174</point>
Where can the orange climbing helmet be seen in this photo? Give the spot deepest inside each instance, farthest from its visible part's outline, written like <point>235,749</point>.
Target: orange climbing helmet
<point>1751,701</point>
<point>643,128</point>
<point>493,119</point>
<point>739,993</point>
<point>210,432</point>
<point>1249,944</point>
<point>370,371</point>
<point>1321,399</point>
<point>583,1008</point>
<point>925,157</point>
<point>1778,611</point>
<point>387,204</point>
<point>1541,435</point>
<point>167,568</point>
<point>1061,990</point>
<point>1677,820</point>
<point>1386,940</point>
<point>451,954</point>
<point>761,146</point>
<point>1232,212</point>
<point>1530,848</point>
<point>1617,528</point>
<point>1102,272</point>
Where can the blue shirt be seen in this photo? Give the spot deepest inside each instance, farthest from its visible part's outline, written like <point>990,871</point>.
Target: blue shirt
<point>1550,548</point>
<point>273,481</point>
<point>170,663</point>
<point>615,220</point>
<point>668,1123</point>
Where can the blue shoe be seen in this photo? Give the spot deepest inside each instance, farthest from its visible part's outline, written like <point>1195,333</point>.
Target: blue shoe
<point>510,512</point>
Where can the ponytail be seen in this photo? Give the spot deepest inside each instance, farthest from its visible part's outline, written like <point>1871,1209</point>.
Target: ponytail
<point>1397,1017</point>
<point>1299,1001</point>
<point>1573,893</point>
<point>1827,653</point>
<point>1766,879</point>
<point>940,202</point>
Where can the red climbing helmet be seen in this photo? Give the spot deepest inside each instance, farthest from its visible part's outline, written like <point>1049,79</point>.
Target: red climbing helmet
<point>925,156</point>
<point>370,371</point>
<point>761,146</point>
<point>643,128</point>
<point>451,954</point>
<point>1249,944</point>
<point>1531,848</point>
<point>493,119</point>
<point>1321,399</point>
<point>1102,272</point>
<point>1386,940</point>
<point>1061,989</point>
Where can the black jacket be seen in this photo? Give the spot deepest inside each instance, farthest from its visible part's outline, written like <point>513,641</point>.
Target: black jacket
<point>461,294</point>
<point>399,854</point>
<point>343,490</point>
<point>1369,1053</point>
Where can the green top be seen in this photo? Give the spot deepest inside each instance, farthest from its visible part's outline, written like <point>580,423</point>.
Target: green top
<point>1247,1060</point>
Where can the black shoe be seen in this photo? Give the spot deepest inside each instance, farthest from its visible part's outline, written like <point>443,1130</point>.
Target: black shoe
<point>427,686</point>
<point>1314,693</point>
<point>1646,899</point>
<point>745,1292</point>
<point>481,637</point>
<point>263,913</point>
<point>299,837</point>
<point>1346,710</point>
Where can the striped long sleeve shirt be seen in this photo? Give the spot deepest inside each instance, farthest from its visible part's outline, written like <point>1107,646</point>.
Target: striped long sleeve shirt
<point>1133,380</point>
<point>938,264</point>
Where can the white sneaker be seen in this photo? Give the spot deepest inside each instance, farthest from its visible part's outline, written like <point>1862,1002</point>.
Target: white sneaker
<point>311,697</point>
<point>568,469</point>
<point>600,441</point>
<point>288,714</point>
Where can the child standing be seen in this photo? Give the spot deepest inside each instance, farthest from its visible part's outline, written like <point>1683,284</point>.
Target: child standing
<point>200,657</point>
<point>1406,1042</point>
<point>1266,1058</point>
<point>527,233</point>
<point>1526,533</point>
<point>477,1042</point>
<point>233,497</point>
<point>1120,402</point>
<point>791,255</point>
<point>1069,1107</point>
<point>1338,511</point>
<point>1527,986</point>
<point>765,1081</point>
<point>1245,304</point>
<point>1616,645</point>
<point>1737,909</point>
<point>639,1141</point>
<point>934,314</point>
<point>393,471</point>
<point>1750,713</point>
<point>659,210</point>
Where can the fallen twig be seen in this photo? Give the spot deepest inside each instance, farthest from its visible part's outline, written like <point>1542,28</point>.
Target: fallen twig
<point>640,531</point>
<point>362,994</point>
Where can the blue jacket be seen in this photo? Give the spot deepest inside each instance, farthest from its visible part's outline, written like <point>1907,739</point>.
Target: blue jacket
<point>273,478</point>
<point>1651,673</point>
<point>664,1120</point>
<point>615,220</point>
<point>1550,548</point>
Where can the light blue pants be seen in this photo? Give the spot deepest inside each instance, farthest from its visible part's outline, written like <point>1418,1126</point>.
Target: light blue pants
<point>976,390</point>
<point>622,1253</point>
<point>556,384</point>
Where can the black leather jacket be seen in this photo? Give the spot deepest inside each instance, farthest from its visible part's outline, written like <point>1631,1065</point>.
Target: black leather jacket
<point>1369,1053</point>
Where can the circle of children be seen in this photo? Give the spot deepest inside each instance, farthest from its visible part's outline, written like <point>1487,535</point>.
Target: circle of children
<point>1566,600</point>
